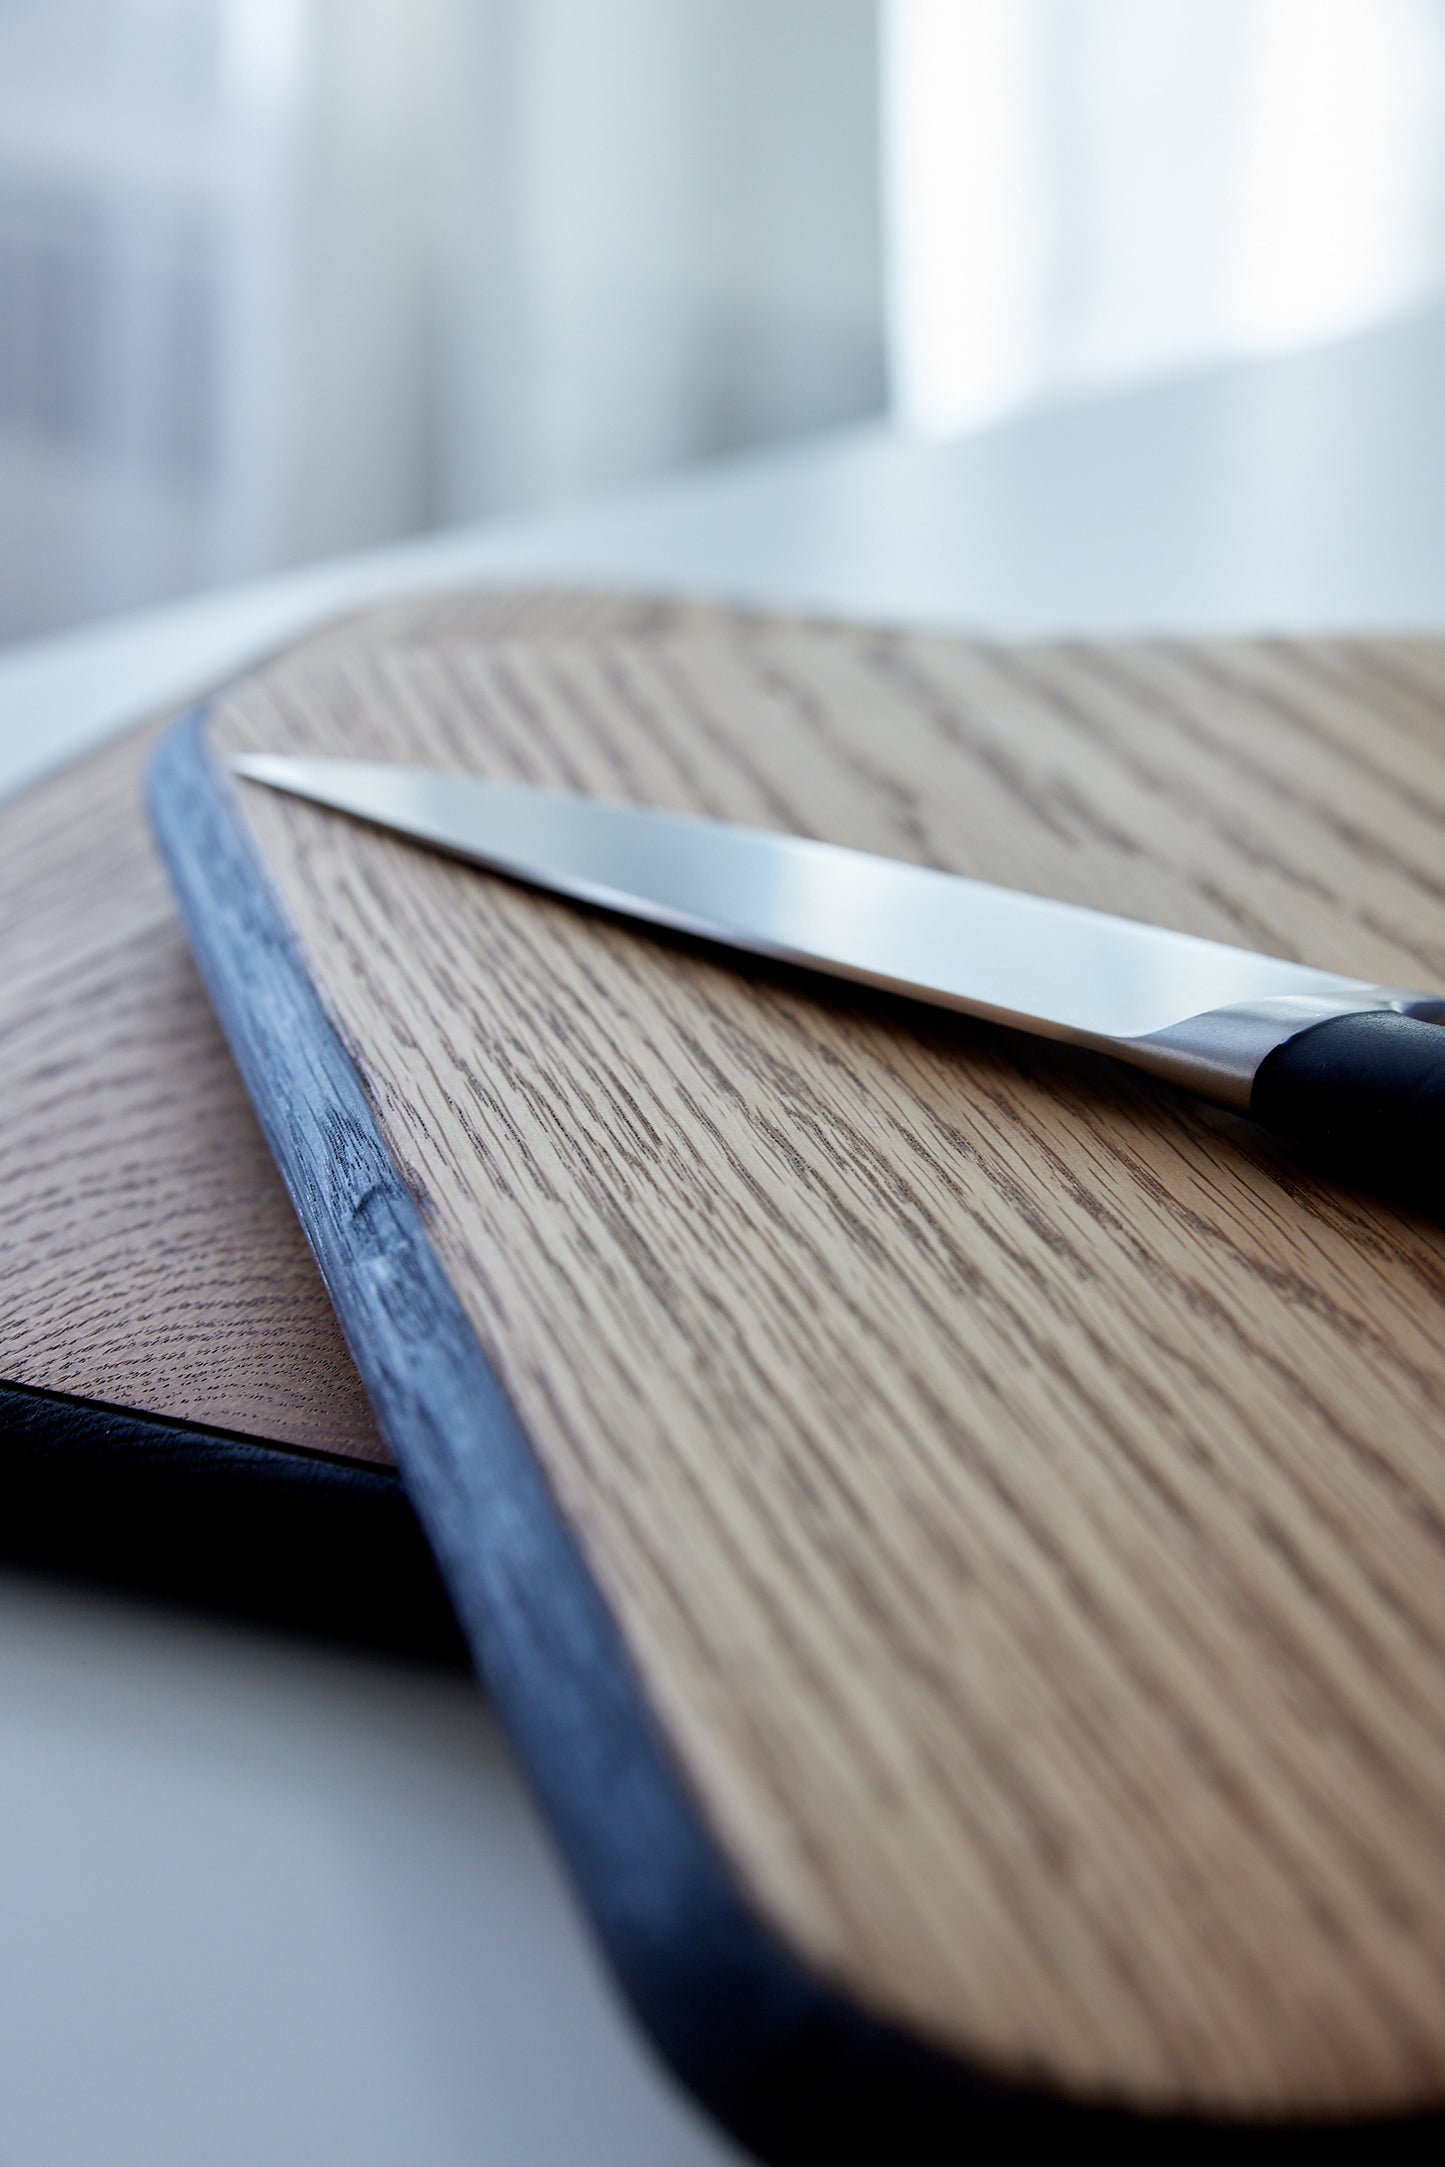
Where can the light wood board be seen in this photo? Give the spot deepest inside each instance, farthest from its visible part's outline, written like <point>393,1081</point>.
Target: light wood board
<point>149,1258</point>
<point>1020,1489</point>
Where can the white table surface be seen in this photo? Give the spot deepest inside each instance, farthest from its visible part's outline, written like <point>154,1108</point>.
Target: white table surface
<point>262,1905</point>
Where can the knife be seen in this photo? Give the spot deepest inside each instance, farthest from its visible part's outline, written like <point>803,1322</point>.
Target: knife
<point>1310,1054</point>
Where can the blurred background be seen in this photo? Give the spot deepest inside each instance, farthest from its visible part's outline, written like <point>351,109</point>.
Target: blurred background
<point>281,278</point>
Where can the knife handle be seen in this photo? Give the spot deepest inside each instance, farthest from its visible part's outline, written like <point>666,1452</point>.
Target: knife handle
<point>1371,1082</point>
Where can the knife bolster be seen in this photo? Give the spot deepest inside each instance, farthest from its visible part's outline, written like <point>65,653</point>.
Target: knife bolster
<point>1220,1053</point>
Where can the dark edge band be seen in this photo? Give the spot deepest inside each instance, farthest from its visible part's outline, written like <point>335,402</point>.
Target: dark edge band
<point>791,2067</point>
<point>266,1534</point>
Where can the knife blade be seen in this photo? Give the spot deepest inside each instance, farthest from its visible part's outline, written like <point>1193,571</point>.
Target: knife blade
<point>1308,1052</point>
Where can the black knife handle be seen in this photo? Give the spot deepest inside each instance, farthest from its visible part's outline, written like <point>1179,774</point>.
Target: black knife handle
<point>1369,1083</point>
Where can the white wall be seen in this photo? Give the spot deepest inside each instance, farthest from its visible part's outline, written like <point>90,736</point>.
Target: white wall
<point>280,278</point>
<point>670,208</point>
<point>1081,193</point>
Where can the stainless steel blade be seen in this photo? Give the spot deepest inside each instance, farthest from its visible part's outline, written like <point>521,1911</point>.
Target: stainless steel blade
<point>1197,1010</point>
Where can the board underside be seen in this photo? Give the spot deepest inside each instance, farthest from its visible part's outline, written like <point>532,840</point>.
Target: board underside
<point>955,1529</point>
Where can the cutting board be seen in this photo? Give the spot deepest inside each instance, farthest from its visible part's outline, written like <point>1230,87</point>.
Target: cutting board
<point>956,1531</point>
<point>178,1411</point>
<point>151,1260</point>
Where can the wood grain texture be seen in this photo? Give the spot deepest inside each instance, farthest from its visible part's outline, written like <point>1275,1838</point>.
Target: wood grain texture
<point>1020,1490</point>
<point>149,1257</point>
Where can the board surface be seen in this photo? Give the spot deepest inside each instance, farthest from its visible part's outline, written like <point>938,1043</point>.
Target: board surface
<point>1018,1490</point>
<point>150,1260</point>
<point>149,1257</point>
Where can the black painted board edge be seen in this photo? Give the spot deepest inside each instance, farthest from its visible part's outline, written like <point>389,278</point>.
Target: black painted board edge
<point>787,2063</point>
<point>218,1522</point>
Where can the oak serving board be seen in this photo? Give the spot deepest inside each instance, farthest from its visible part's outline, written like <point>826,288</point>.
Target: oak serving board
<point>149,1259</point>
<point>177,1407</point>
<point>178,1413</point>
<point>957,1531</point>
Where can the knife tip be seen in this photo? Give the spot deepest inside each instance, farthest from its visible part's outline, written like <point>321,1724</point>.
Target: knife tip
<point>261,767</point>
